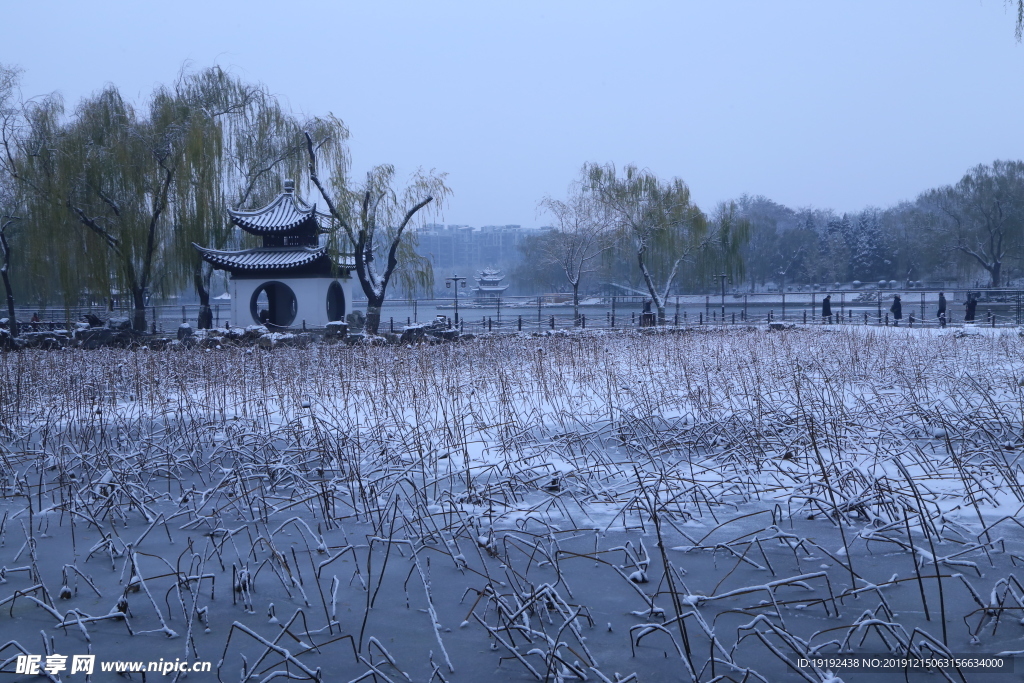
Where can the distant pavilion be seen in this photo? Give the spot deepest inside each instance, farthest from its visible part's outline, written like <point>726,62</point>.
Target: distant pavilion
<point>489,288</point>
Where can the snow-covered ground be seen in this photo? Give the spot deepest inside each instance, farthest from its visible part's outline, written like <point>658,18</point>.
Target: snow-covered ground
<point>575,506</point>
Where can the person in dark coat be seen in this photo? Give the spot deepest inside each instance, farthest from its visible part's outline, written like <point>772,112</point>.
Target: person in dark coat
<point>896,309</point>
<point>942,309</point>
<point>971,305</point>
<point>826,308</point>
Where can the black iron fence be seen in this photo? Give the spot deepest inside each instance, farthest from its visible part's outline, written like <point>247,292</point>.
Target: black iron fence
<point>997,308</point>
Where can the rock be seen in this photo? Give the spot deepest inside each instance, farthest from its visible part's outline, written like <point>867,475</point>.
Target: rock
<point>336,330</point>
<point>272,340</point>
<point>44,340</point>
<point>184,330</point>
<point>94,337</point>
<point>414,334</point>
<point>356,321</point>
<point>119,323</point>
<point>254,332</point>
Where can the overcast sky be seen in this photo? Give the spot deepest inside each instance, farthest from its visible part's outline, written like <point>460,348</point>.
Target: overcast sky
<point>839,104</point>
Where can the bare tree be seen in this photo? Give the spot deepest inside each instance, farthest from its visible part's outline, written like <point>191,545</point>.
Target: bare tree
<point>373,218</point>
<point>580,236</point>
<point>982,216</point>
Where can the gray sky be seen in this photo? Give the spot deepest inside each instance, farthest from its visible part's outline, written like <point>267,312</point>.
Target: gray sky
<point>840,104</point>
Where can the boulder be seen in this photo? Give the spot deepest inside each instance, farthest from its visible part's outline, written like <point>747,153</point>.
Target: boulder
<point>356,321</point>
<point>335,330</point>
<point>119,323</point>
<point>414,334</point>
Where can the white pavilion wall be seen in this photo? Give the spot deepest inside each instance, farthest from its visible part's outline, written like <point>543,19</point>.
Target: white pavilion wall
<point>310,295</point>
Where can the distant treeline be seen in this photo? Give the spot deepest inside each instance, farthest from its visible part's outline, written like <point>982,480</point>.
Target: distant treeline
<point>971,231</point>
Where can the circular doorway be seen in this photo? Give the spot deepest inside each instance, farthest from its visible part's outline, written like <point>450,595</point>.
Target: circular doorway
<point>335,302</point>
<point>274,304</point>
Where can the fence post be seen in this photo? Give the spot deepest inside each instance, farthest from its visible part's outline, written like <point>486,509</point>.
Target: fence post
<point>583,319</point>
<point>392,324</point>
<point>520,323</point>
<point>488,323</point>
<point>183,318</point>
<point>552,322</point>
<point>805,317</point>
<point>701,318</point>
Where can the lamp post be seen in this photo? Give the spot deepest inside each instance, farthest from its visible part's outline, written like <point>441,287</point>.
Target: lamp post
<point>783,274</point>
<point>448,283</point>
<point>722,277</point>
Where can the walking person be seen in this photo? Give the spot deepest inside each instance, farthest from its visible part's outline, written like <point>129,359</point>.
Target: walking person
<point>896,309</point>
<point>942,309</point>
<point>971,305</point>
<point>826,309</point>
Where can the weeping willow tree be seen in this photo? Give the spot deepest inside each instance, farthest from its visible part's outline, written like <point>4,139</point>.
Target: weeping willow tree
<point>52,258</point>
<point>124,190</point>
<point>371,220</point>
<point>8,201</point>
<point>721,251</point>
<point>258,143</point>
<point>657,219</point>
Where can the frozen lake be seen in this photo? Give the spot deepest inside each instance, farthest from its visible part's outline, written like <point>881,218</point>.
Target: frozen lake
<point>699,505</point>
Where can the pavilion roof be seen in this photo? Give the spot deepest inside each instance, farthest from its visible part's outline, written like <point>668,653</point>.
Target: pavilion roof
<point>280,258</point>
<point>283,215</point>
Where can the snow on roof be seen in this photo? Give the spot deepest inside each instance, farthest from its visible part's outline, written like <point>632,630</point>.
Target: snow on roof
<point>262,258</point>
<point>286,213</point>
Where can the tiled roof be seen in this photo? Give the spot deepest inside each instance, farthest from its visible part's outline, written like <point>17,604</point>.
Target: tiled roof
<point>280,258</point>
<point>262,259</point>
<point>284,214</point>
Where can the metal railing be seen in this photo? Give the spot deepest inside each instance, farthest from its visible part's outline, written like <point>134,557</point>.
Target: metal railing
<point>1004,307</point>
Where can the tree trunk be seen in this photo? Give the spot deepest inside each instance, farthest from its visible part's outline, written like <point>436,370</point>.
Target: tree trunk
<point>139,314</point>
<point>205,321</point>
<point>373,315</point>
<point>576,303</point>
<point>12,320</point>
<point>996,272</point>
